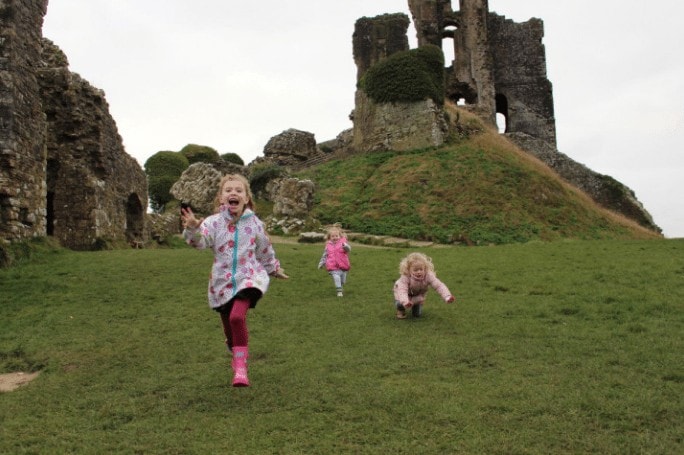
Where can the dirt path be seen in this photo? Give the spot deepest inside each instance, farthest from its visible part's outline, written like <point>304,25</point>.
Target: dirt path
<point>11,381</point>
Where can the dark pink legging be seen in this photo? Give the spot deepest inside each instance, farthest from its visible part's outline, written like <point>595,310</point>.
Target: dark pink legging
<point>235,323</point>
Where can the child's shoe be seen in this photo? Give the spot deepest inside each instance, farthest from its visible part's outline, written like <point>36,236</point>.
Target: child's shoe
<point>417,311</point>
<point>239,365</point>
<point>340,293</point>
<point>401,314</point>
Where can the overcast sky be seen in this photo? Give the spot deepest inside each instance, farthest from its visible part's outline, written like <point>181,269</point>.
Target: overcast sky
<point>231,75</point>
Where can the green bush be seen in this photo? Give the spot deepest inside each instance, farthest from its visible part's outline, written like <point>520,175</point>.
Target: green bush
<point>408,76</point>
<point>263,173</point>
<point>166,163</point>
<point>199,154</point>
<point>232,158</point>
<point>163,169</point>
<point>158,188</point>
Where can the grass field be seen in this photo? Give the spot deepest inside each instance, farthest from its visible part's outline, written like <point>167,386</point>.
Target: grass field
<point>565,347</point>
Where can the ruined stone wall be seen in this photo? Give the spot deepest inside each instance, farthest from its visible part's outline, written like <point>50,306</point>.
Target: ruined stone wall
<point>95,190</point>
<point>390,126</point>
<point>397,126</point>
<point>499,65</point>
<point>524,93</point>
<point>429,18</point>
<point>63,169</point>
<point>377,38</point>
<point>473,65</point>
<point>22,122</point>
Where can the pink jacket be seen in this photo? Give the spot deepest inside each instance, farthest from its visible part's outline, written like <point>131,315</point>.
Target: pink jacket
<point>335,256</point>
<point>407,288</point>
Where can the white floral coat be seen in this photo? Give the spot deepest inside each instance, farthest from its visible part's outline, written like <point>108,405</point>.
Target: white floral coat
<point>243,255</point>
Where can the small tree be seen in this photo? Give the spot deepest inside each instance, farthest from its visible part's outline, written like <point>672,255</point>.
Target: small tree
<point>163,169</point>
<point>407,76</point>
<point>199,154</point>
<point>232,158</point>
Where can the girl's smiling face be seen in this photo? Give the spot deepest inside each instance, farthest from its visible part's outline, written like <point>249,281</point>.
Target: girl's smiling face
<point>234,196</point>
<point>417,270</point>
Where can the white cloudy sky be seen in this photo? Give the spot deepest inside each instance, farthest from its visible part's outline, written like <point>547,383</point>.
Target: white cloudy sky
<point>232,74</point>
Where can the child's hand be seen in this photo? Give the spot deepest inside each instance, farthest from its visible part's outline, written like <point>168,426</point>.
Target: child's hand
<point>451,299</point>
<point>407,304</point>
<point>280,274</point>
<point>188,218</point>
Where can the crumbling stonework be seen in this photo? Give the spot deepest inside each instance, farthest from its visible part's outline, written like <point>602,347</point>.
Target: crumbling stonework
<point>64,169</point>
<point>377,38</point>
<point>397,126</point>
<point>390,126</point>
<point>23,155</point>
<point>291,147</point>
<point>291,197</point>
<point>524,95</point>
<point>95,190</point>
<point>197,186</point>
<point>499,65</point>
<point>292,203</point>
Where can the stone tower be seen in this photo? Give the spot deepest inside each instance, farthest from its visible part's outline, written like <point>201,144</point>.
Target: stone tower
<point>499,66</point>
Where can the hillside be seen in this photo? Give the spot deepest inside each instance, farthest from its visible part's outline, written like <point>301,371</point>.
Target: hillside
<point>479,189</point>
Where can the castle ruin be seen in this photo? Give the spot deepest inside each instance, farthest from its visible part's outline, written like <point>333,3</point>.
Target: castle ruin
<point>63,169</point>
<point>499,67</point>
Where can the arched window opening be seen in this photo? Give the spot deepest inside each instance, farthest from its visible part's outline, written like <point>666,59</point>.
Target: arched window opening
<point>501,122</point>
<point>50,209</point>
<point>51,183</point>
<point>134,219</point>
<point>502,118</point>
<point>449,46</point>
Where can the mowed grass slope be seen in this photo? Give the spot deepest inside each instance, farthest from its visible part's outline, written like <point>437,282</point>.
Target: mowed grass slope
<point>564,347</point>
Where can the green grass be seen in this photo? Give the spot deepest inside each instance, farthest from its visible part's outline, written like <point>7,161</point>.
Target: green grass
<point>565,347</point>
<point>477,190</point>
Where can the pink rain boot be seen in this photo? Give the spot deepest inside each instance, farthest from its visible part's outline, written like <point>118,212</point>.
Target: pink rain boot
<point>239,365</point>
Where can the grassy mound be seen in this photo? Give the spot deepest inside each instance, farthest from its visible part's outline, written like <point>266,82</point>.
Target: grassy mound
<point>480,189</point>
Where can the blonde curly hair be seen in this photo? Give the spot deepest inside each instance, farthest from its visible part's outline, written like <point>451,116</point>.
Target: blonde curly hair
<point>415,258</point>
<point>335,228</point>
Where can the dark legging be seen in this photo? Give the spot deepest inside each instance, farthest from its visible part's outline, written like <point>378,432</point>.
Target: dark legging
<point>235,323</point>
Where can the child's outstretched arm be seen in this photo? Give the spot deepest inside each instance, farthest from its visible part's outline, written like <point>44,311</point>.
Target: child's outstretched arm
<point>441,288</point>
<point>401,292</point>
<point>321,263</point>
<point>265,253</point>
<point>280,273</point>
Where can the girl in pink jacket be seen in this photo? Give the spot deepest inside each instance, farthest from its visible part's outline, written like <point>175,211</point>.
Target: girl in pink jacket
<point>417,275</point>
<point>336,258</point>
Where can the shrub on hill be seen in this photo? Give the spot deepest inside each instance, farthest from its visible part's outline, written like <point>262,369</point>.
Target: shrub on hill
<point>407,76</point>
